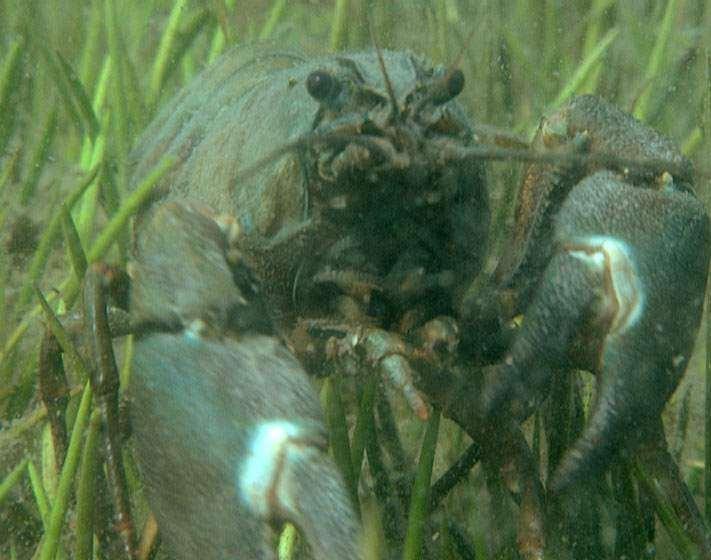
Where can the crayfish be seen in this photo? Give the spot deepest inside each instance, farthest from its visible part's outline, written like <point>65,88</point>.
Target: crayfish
<point>333,214</point>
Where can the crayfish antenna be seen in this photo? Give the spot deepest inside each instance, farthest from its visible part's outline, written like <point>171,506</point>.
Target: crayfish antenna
<point>603,160</point>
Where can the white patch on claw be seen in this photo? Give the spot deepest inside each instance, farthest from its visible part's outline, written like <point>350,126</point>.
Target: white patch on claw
<point>230,227</point>
<point>594,259</point>
<point>260,471</point>
<point>625,291</point>
<point>196,330</point>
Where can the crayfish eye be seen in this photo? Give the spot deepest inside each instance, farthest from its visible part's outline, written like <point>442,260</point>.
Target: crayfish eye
<point>322,86</point>
<point>451,86</point>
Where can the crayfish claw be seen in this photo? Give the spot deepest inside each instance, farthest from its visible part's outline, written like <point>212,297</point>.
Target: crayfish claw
<point>221,408</point>
<point>620,298</point>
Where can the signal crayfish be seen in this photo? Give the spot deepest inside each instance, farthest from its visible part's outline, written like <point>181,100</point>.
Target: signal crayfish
<point>359,244</point>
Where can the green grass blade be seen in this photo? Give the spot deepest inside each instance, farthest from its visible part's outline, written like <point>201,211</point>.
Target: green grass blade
<point>59,508</point>
<point>455,474</point>
<point>39,259</point>
<point>442,31</point>
<point>89,148</point>
<point>101,245</point>
<point>419,501</point>
<point>707,415</point>
<point>48,462</point>
<point>17,430</point>
<point>224,34</point>
<point>365,412</point>
<point>62,337</point>
<point>288,542</point>
<point>91,47</point>
<point>195,25</point>
<point>129,207</point>
<point>136,108</point>
<point>43,505</point>
<point>551,60</point>
<point>39,157</point>
<point>4,276</point>
<point>86,212</point>
<point>79,95</point>
<point>630,537</point>
<point>86,487</point>
<point>62,85</point>
<point>165,50</point>
<point>117,223</point>
<point>125,373</point>
<point>656,59</point>
<point>682,423</point>
<point>111,202</point>
<point>338,430</point>
<point>25,386</point>
<point>275,15</point>
<point>217,46</point>
<point>392,514</point>
<point>592,34</point>
<point>339,35</point>
<point>8,169</point>
<point>222,7</point>
<point>707,404</point>
<point>666,514</point>
<point>590,63</point>
<point>118,93</point>
<point>692,142</point>
<point>12,479</point>
<point>9,73</point>
<point>71,237</point>
<point>536,440</point>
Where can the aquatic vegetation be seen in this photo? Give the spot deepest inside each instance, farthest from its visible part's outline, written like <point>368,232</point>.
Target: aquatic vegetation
<point>74,95</point>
